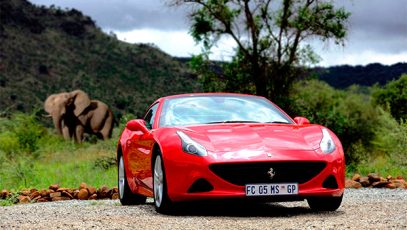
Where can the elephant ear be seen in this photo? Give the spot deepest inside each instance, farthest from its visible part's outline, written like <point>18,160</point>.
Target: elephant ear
<point>49,104</point>
<point>81,101</point>
<point>55,104</point>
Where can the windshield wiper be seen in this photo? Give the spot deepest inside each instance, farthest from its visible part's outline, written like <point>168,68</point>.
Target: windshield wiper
<point>278,122</point>
<point>224,122</point>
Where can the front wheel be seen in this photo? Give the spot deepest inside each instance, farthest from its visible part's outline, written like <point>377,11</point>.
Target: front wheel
<point>324,203</point>
<point>161,201</point>
<point>125,194</point>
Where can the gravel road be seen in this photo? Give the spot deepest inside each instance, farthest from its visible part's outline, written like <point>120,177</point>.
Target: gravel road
<point>361,209</point>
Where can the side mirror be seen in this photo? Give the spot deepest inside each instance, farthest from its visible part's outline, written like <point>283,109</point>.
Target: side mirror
<point>137,125</point>
<point>301,121</point>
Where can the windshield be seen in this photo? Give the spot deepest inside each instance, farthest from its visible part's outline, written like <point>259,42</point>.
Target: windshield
<point>194,110</point>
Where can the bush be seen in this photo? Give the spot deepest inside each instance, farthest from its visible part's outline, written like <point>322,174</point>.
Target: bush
<point>349,114</point>
<point>393,97</point>
<point>20,134</point>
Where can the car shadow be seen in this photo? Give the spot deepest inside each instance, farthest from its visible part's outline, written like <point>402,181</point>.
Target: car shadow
<point>245,209</point>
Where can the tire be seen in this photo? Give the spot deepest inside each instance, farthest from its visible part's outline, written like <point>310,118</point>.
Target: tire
<point>324,203</point>
<point>161,201</point>
<point>125,194</point>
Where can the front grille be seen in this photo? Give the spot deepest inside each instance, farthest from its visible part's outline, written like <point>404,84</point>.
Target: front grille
<point>252,173</point>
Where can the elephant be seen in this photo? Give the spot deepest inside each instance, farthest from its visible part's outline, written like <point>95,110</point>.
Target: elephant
<point>74,113</point>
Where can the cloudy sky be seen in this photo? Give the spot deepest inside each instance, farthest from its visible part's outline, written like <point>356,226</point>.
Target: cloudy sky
<point>378,29</point>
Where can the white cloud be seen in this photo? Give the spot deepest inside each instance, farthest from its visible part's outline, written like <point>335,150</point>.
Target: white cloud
<point>176,43</point>
<point>377,30</point>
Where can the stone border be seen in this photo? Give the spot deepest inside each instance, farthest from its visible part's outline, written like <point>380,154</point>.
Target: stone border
<point>57,193</point>
<point>374,180</point>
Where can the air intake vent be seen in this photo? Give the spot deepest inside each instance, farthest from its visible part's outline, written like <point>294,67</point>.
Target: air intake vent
<point>330,182</point>
<point>200,185</point>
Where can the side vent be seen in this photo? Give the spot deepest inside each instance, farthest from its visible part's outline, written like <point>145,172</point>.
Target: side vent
<point>200,185</point>
<point>330,182</point>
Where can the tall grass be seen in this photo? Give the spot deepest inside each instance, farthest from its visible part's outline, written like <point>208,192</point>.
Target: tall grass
<point>33,156</point>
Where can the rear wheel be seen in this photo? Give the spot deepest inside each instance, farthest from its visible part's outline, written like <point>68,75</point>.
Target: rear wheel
<point>161,201</point>
<point>324,203</point>
<point>125,194</point>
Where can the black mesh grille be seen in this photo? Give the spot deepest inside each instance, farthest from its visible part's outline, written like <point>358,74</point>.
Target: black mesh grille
<point>251,173</point>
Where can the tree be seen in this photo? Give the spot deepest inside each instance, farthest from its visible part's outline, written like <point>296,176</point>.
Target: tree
<point>269,35</point>
<point>394,97</point>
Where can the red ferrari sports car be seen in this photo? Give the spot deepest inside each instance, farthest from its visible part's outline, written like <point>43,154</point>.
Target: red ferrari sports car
<point>220,146</point>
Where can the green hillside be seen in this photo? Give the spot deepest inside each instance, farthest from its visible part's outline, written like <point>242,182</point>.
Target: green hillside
<point>49,50</point>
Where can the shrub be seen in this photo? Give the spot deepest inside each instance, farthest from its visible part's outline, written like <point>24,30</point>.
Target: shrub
<point>349,114</point>
<point>393,96</point>
<point>20,134</point>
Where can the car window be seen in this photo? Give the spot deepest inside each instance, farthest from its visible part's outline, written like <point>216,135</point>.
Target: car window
<point>219,109</point>
<point>149,117</point>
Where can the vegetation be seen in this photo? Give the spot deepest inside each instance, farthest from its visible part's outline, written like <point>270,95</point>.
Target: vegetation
<point>32,156</point>
<point>344,76</point>
<point>373,140</point>
<point>50,50</point>
<point>394,97</point>
<point>269,36</point>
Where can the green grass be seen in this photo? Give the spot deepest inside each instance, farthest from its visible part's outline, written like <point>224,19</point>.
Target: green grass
<point>383,165</point>
<point>67,167</point>
<point>53,160</point>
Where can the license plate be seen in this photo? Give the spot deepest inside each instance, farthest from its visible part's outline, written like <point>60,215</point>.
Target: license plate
<point>271,189</point>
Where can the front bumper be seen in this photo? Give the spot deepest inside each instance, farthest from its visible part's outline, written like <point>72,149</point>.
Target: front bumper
<point>182,174</point>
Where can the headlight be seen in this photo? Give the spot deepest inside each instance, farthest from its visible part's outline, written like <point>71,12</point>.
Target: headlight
<point>190,146</point>
<point>327,143</point>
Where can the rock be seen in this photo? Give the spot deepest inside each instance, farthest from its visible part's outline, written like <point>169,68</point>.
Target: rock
<point>33,190</point>
<point>389,177</point>
<point>67,194</point>
<point>55,194</point>
<point>75,193</point>
<point>42,200</point>
<point>373,177</point>
<point>23,199</point>
<point>35,194</point>
<point>352,184</point>
<point>400,178</point>
<point>115,196</point>
<point>36,198</point>
<point>62,189</point>
<point>356,177</point>
<point>25,192</point>
<point>93,197</point>
<point>104,192</point>
<point>115,190</point>
<point>364,181</point>
<point>83,185</point>
<point>60,198</point>
<point>390,186</point>
<point>4,194</point>
<point>91,190</point>
<point>399,183</point>
<point>54,187</point>
<point>379,184</point>
<point>44,193</point>
<point>83,194</point>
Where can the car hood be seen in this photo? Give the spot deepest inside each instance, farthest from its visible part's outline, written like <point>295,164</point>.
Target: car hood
<point>256,137</point>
